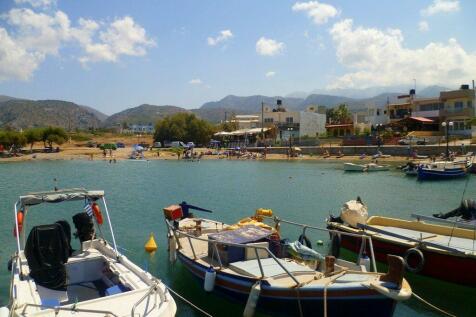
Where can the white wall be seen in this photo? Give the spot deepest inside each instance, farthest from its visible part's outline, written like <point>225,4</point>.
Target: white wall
<point>312,123</point>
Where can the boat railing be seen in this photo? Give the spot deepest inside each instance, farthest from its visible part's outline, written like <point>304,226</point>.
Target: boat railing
<point>365,237</point>
<point>244,246</point>
<point>73,309</point>
<point>256,248</point>
<point>154,289</point>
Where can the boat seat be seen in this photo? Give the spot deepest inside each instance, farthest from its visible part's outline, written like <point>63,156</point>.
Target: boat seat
<point>270,267</point>
<point>47,251</point>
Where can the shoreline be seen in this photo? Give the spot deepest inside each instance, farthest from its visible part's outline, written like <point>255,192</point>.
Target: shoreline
<point>85,154</point>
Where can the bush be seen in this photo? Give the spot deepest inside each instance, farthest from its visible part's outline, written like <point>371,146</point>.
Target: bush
<point>80,137</point>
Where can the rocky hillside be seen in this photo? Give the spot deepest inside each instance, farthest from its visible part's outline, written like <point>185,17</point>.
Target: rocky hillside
<point>19,113</point>
<point>142,114</point>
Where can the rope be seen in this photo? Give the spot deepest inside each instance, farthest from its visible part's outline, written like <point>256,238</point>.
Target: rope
<point>188,302</point>
<point>331,280</point>
<point>433,306</point>
<point>299,301</point>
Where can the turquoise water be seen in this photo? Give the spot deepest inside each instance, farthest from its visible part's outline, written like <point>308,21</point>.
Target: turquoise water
<point>301,191</point>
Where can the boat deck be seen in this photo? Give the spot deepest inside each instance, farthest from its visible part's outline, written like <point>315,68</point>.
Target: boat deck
<point>461,244</point>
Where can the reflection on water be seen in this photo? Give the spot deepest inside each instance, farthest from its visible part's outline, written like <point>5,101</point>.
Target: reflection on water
<point>304,192</point>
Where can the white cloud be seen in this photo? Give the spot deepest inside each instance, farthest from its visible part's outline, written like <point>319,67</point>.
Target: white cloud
<point>270,74</point>
<point>441,6</point>
<point>269,47</point>
<point>379,58</point>
<point>195,81</point>
<point>37,3</point>
<point>423,26</point>
<point>33,36</point>
<point>222,37</point>
<point>319,12</point>
<point>15,61</point>
<point>122,37</point>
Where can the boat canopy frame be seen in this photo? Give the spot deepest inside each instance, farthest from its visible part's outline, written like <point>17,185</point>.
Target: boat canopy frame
<point>58,196</point>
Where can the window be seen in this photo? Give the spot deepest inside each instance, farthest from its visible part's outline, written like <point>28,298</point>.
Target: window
<point>268,120</point>
<point>378,112</point>
<point>289,119</point>
<point>458,105</point>
<point>470,104</point>
<point>431,107</point>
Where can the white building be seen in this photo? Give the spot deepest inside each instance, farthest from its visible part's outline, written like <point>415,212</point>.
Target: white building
<point>141,128</point>
<point>298,124</point>
<point>247,121</point>
<point>373,116</point>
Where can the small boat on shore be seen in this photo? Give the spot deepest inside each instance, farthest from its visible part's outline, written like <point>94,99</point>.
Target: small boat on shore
<point>49,278</point>
<point>445,251</point>
<point>443,170</point>
<point>251,262</point>
<point>370,167</point>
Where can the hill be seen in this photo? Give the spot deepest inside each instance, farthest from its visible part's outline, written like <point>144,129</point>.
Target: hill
<point>18,113</point>
<point>250,103</point>
<point>142,114</point>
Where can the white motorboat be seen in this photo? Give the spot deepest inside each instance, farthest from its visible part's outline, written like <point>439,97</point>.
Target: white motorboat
<point>370,167</point>
<point>351,167</point>
<point>50,279</point>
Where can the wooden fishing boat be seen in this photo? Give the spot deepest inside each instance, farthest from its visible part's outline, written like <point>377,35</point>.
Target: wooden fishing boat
<point>444,251</point>
<point>49,278</point>
<point>249,262</point>
<point>443,170</point>
<point>370,167</point>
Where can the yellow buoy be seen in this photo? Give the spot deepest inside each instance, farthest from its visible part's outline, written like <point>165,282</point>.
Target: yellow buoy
<point>150,245</point>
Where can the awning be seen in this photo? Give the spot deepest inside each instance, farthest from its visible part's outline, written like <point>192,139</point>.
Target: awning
<point>422,119</point>
<point>60,196</point>
<point>257,130</point>
<point>222,133</point>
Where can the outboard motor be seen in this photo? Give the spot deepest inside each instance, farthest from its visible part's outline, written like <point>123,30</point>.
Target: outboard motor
<point>84,227</point>
<point>47,250</point>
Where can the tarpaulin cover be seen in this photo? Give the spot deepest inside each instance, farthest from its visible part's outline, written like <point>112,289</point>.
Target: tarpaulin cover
<point>242,235</point>
<point>59,196</point>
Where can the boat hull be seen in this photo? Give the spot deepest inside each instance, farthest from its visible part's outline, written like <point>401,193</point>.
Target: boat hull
<point>428,174</point>
<point>283,301</point>
<point>450,268</point>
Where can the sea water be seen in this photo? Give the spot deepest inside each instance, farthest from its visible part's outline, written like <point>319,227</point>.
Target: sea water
<point>305,192</point>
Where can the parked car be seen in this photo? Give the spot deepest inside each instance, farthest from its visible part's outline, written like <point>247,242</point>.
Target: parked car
<point>190,145</point>
<point>91,144</point>
<point>157,144</point>
<point>409,141</point>
<point>144,145</point>
<point>177,144</point>
<point>120,145</point>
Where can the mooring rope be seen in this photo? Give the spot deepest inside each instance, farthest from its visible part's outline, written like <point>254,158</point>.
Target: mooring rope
<point>433,306</point>
<point>188,302</point>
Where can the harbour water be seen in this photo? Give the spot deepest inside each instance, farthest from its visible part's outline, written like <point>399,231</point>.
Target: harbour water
<point>304,192</point>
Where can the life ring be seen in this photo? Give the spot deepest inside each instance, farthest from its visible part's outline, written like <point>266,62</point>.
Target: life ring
<point>335,245</point>
<point>20,223</point>
<point>421,260</point>
<point>97,213</point>
<point>305,240</point>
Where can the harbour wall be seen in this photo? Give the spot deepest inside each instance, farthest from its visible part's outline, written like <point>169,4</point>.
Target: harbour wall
<point>396,150</point>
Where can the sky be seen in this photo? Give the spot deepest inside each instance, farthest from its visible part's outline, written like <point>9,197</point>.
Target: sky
<point>113,55</point>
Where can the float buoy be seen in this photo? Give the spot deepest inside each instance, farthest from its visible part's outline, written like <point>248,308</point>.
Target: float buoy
<point>172,249</point>
<point>320,242</point>
<point>97,213</point>
<point>209,282</point>
<point>252,300</point>
<point>150,245</point>
<point>414,252</point>
<point>20,223</point>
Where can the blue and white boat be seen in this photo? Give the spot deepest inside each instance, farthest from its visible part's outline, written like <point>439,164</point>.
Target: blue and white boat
<point>443,170</point>
<point>249,262</point>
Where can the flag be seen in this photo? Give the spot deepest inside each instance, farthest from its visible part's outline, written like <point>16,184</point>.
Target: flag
<point>88,209</point>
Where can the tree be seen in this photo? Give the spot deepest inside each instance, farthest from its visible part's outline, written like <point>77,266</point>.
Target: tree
<point>183,127</point>
<point>12,140</point>
<point>33,135</point>
<point>339,115</point>
<point>52,135</point>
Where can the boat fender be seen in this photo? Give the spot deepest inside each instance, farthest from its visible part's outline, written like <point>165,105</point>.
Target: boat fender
<point>252,300</point>
<point>172,249</point>
<point>421,260</point>
<point>20,223</point>
<point>97,213</point>
<point>210,276</point>
<point>305,241</point>
<point>4,312</point>
<point>335,245</point>
<point>365,261</point>
<point>10,265</point>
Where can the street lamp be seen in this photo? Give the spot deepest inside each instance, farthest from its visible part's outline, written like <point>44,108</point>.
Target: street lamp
<point>447,125</point>
<point>379,140</point>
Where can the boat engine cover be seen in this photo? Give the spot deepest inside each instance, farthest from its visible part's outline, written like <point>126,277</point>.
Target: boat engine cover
<point>354,212</point>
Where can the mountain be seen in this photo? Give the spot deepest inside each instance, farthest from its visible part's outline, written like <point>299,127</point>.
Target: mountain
<point>431,91</point>
<point>142,114</point>
<point>4,98</point>
<point>18,113</point>
<point>101,116</point>
<point>250,103</point>
<point>216,115</point>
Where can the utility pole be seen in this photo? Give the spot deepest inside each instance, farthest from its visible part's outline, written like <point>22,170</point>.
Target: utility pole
<point>262,121</point>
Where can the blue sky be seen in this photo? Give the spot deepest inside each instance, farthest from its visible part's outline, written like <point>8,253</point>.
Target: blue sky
<point>113,55</point>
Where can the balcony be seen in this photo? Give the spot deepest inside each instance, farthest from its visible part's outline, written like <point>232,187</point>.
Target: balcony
<point>461,112</point>
<point>288,126</point>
